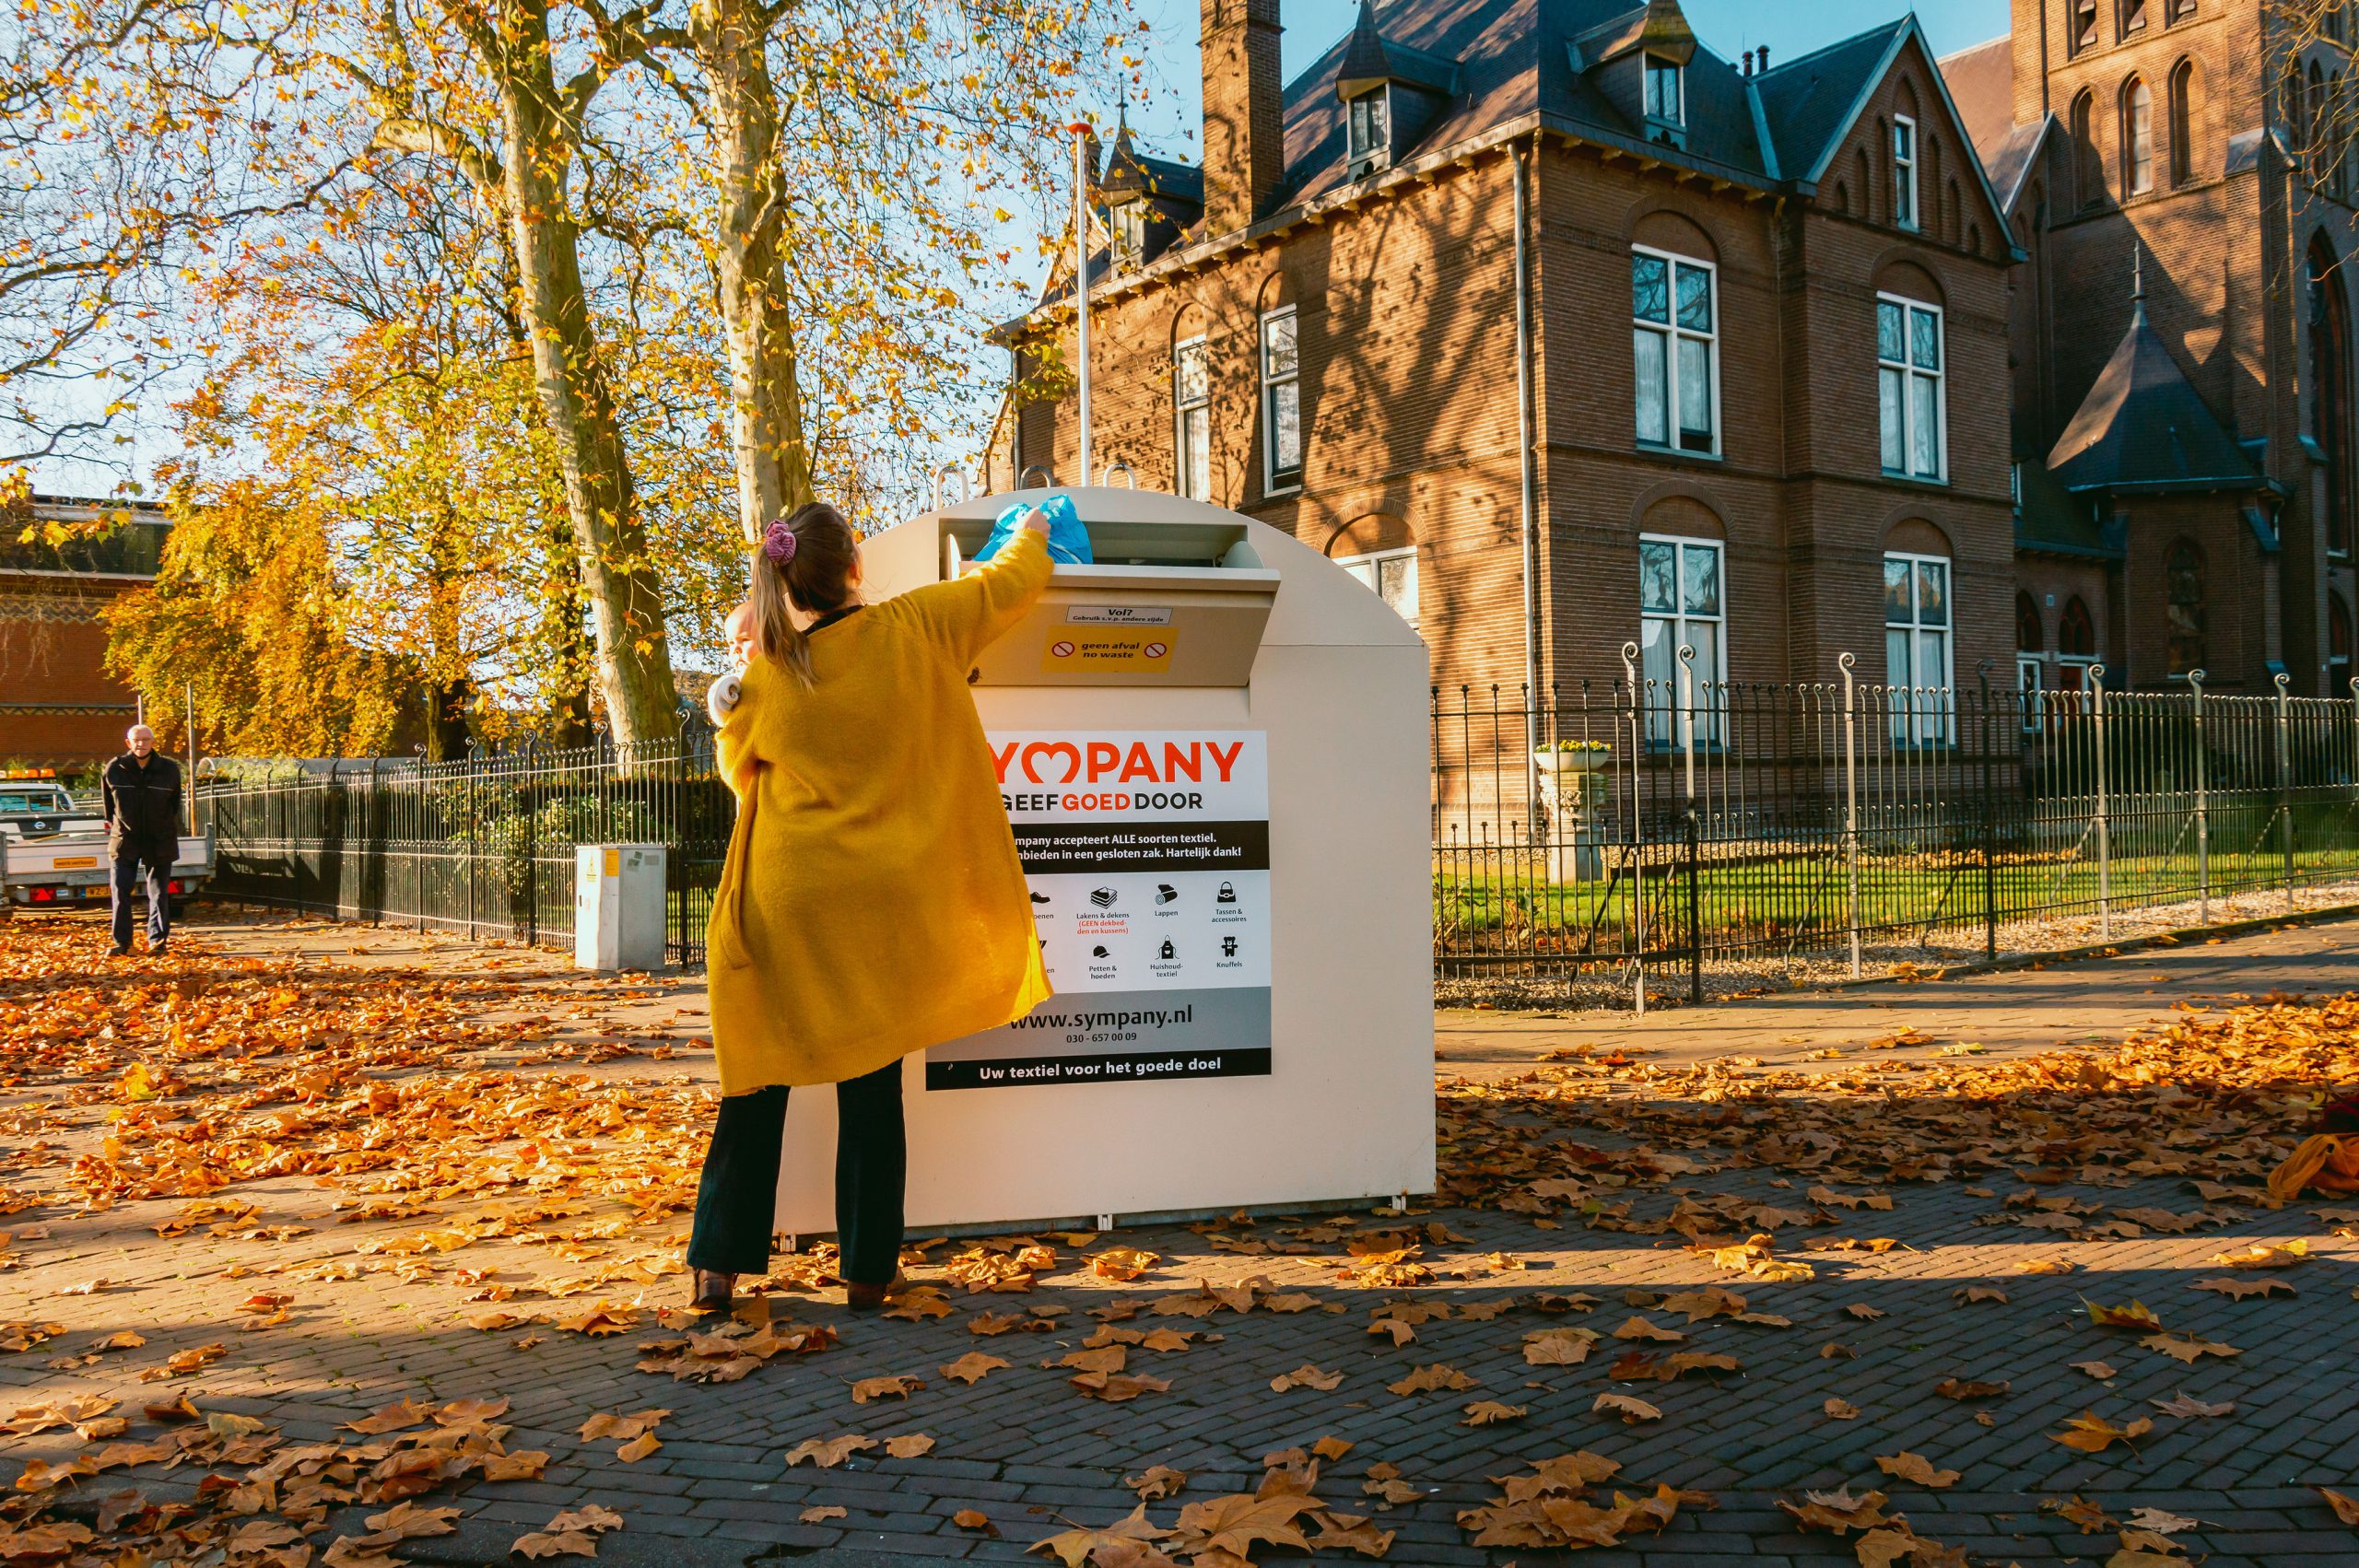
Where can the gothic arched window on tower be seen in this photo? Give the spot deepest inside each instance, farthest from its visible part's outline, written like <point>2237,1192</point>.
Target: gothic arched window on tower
<point>2137,138</point>
<point>2088,173</point>
<point>2183,597</point>
<point>2182,121</point>
<point>2330,410</point>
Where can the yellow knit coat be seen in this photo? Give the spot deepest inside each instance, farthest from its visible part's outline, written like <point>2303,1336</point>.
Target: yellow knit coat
<point>872,902</point>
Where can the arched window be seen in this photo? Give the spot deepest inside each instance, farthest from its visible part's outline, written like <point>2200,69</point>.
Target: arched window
<point>2338,646</point>
<point>2313,124</point>
<point>2330,410</point>
<point>2182,121</point>
<point>2137,138</point>
<point>2076,634</point>
<point>2184,610</point>
<point>2030,669</point>
<point>2087,171</point>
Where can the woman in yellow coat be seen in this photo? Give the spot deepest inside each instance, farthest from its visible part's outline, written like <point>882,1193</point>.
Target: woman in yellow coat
<point>872,902</point>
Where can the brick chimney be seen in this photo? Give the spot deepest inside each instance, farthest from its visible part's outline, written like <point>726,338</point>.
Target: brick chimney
<point>1244,128</point>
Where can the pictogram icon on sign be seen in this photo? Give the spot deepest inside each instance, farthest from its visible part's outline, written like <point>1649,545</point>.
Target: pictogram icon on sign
<point>1157,650</point>
<point>1062,649</point>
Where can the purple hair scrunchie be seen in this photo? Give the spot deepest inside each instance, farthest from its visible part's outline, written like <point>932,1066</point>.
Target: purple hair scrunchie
<point>778,543</point>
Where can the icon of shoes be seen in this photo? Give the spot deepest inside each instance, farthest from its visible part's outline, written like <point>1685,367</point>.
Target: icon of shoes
<point>1039,898</point>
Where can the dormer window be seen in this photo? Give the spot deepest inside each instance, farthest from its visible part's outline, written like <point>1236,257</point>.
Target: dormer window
<point>1371,131</point>
<point>1129,224</point>
<point>1666,91</point>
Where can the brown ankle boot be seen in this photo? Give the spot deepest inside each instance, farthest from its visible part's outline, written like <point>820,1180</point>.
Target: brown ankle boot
<point>868,1298</point>
<point>715,1291</point>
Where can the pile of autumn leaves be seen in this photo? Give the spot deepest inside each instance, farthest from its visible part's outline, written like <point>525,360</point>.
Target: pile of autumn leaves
<point>1550,1507</point>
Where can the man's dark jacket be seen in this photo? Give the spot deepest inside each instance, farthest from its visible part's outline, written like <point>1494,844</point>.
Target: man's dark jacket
<point>143,806</point>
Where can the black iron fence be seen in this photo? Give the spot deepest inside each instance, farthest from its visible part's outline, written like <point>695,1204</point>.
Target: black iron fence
<point>1658,826</point>
<point>483,848</point>
<point>1642,829</point>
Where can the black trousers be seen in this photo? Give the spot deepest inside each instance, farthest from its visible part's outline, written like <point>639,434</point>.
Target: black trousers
<point>738,1195</point>
<point>156,861</point>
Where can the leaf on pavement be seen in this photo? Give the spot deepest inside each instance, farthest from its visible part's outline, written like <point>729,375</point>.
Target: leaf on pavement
<point>1628,1408</point>
<point>2239,1289</point>
<point>2136,1316</point>
<point>909,1445</point>
<point>1841,1410</point>
<point>895,1388</point>
<point>1906,1465</point>
<point>2091,1434</point>
<point>1154,1484</point>
<point>1304,1376</point>
<point>2180,1405</point>
<point>828,1452</point>
<point>1429,1379</point>
<point>970,1368</point>
<point>1490,1413</point>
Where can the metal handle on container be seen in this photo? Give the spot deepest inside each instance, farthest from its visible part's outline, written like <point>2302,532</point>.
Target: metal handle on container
<point>1130,480</point>
<point>1023,480</point>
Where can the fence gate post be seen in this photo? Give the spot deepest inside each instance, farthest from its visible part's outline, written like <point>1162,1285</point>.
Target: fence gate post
<point>1990,823</point>
<point>1850,808</point>
<point>1695,834</point>
<point>2104,828</point>
<point>2195,679</point>
<point>1637,833</point>
<point>2285,778</point>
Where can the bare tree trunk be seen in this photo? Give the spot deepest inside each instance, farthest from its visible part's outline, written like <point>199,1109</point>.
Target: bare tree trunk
<point>618,576</point>
<point>773,459</point>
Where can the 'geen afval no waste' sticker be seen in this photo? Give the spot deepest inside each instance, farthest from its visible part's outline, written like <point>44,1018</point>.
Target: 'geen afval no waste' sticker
<point>1109,648</point>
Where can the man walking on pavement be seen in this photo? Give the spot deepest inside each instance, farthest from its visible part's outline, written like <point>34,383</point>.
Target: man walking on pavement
<point>142,791</point>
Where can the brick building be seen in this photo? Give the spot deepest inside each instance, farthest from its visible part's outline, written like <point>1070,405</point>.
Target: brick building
<point>1762,346</point>
<point>58,706</point>
<point>2179,181</point>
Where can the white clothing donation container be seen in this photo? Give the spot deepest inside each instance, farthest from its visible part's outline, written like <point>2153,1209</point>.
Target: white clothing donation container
<point>618,907</point>
<point>1211,744</point>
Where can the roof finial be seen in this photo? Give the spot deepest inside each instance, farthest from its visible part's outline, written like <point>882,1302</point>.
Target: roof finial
<point>2137,284</point>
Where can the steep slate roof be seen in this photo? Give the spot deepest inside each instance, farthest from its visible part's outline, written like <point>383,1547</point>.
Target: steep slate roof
<point>1518,58</point>
<point>2143,427</point>
<point>1127,168</point>
<point>1811,101</point>
<point>1507,59</point>
<point>2052,521</point>
<point>1982,84</point>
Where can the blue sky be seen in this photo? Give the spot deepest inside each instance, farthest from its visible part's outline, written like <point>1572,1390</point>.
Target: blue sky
<point>1726,26</point>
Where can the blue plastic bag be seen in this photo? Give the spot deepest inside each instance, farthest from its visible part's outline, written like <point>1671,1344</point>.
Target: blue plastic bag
<point>1068,540</point>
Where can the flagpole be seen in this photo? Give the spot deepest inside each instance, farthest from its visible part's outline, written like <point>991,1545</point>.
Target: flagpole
<point>1081,277</point>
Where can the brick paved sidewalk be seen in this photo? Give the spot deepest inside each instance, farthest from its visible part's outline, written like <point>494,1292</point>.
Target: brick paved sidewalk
<point>1025,1449</point>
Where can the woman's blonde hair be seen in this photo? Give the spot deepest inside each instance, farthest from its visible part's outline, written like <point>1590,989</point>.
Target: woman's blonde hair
<point>820,553</point>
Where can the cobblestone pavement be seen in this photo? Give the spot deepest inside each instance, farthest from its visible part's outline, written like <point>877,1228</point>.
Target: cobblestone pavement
<point>1033,1457</point>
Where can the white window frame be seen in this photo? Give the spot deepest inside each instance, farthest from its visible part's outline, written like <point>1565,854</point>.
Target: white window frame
<point>1276,481</point>
<point>1916,721</point>
<point>1648,66</point>
<point>1126,223</point>
<point>1910,372</point>
<point>1662,732</point>
<point>1377,153</point>
<point>1369,570</point>
<point>1189,461</point>
<point>1904,171</point>
<point>2031,680</point>
<point>1673,333</point>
